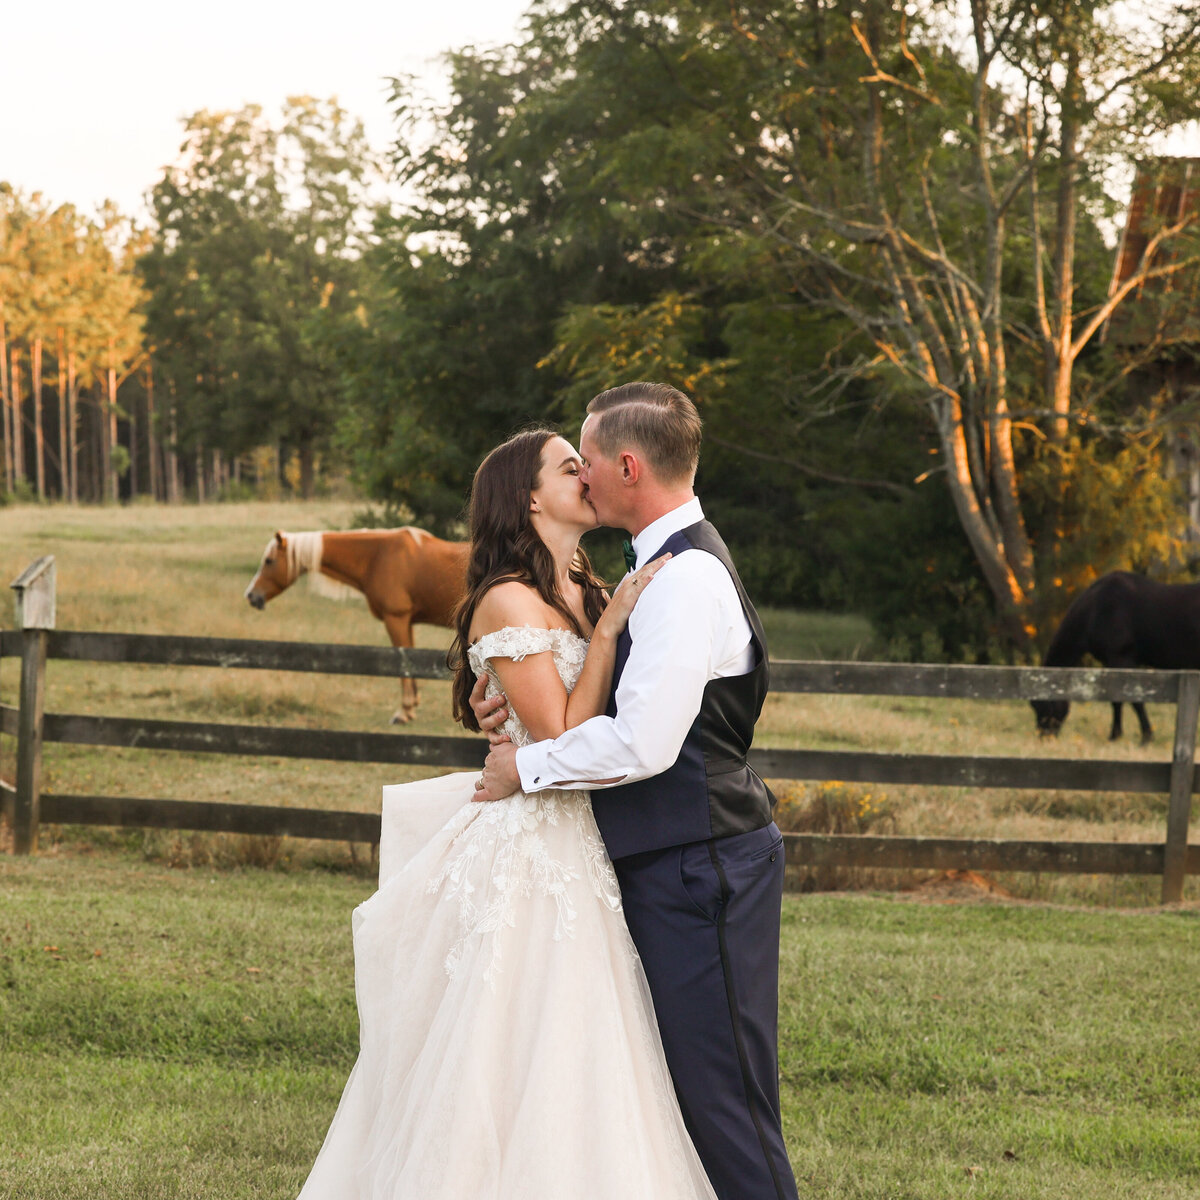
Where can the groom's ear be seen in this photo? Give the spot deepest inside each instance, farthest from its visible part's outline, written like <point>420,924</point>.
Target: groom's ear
<point>631,469</point>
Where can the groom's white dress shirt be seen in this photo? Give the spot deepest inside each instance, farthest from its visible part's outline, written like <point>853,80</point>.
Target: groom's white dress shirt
<point>688,627</point>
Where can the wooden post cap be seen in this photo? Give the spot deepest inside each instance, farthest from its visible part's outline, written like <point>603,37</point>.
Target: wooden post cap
<point>35,595</point>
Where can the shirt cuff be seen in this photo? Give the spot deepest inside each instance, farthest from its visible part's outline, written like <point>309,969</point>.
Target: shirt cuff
<point>532,768</point>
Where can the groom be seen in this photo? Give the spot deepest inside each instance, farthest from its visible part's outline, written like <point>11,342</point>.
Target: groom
<point>686,822</point>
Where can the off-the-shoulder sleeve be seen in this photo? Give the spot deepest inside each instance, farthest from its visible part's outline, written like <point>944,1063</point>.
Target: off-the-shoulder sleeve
<point>512,642</point>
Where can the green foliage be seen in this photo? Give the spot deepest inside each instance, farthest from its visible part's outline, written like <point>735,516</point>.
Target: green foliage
<point>524,279</point>
<point>1113,507</point>
<point>119,461</point>
<point>510,227</point>
<point>256,273</point>
<point>685,191</point>
<point>659,340</point>
<point>384,516</point>
<point>921,587</point>
<point>22,493</point>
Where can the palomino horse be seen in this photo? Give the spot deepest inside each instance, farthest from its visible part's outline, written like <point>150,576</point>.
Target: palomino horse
<point>1125,620</point>
<point>407,575</point>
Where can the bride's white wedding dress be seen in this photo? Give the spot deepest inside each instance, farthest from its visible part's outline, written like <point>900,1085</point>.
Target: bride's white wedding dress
<point>508,1048</point>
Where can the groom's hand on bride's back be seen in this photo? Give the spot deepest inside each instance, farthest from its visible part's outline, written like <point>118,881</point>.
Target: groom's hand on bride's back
<point>490,713</point>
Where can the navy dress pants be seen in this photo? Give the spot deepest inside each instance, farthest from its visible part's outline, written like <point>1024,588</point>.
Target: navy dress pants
<point>705,920</point>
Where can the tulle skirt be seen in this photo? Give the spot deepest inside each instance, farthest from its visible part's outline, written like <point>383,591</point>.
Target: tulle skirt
<point>508,1049</point>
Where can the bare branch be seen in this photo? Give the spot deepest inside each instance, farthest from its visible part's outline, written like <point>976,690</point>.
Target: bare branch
<point>1143,274</point>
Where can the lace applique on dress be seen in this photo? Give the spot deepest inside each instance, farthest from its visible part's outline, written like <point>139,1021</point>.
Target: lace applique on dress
<point>501,855</point>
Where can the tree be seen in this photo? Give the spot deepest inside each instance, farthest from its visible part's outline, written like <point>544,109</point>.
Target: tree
<point>507,226</point>
<point>930,176</point>
<point>257,247</point>
<point>66,293</point>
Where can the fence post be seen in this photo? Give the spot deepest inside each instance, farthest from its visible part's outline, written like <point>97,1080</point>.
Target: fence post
<point>1179,811</point>
<point>35,604</point>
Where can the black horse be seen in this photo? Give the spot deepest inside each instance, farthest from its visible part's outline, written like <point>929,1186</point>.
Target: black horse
<point>1125,620</point>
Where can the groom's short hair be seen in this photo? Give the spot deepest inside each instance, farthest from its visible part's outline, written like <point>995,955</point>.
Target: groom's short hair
<point>656,418</point>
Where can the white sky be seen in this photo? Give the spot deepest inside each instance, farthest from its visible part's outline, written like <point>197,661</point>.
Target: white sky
<point>91,94</point>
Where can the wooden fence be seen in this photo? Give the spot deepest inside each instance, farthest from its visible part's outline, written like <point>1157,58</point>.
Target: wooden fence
<point>36,641</point>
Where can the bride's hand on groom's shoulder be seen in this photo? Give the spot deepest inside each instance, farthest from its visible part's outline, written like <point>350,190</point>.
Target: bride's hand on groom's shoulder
<point>491,713</point>
<point>616,615</point>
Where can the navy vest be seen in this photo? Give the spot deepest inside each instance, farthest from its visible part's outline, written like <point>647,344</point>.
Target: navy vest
<point>709,791</point>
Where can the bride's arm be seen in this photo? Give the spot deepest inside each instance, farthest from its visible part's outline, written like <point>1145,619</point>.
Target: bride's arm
<point>532,684</point>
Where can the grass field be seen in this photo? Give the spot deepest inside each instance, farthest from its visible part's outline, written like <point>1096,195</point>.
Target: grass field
<point>183,570</point>
<point>169,1035</point>
<point>175,1023</point>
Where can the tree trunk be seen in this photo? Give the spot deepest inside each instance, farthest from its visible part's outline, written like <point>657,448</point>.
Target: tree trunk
<point>39,441</point>
<point>152,439</point>
<point>1059,355</point>
<point>5,414</point>
<point>114,483</point>
<point>17,420</point>
<point>133,449</point>
<point>172,453</point>
<point>102,440</point>
<point>306,468</point>
<point>60,363</point>
<point>73,427</point>
<point>199,475</point>
<point>98,423</point>
<point>1012,600</point>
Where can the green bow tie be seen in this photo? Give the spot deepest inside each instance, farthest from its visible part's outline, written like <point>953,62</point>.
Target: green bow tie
<point>630,554</point>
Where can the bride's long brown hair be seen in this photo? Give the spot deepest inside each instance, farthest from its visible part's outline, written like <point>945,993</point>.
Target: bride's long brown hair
<point>505,546</point>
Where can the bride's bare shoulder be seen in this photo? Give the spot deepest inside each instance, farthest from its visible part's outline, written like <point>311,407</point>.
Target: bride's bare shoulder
<point>505,604</point>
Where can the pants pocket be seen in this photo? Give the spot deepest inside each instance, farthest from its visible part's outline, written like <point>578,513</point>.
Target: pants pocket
<point>772,850</point>
<point>699,880</point>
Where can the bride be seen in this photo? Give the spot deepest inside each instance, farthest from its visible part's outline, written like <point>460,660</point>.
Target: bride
<point>508,1046</point>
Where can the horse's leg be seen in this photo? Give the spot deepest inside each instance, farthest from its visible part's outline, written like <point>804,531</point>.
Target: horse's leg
<point>399,627</point>
<point>1144,722</point>
<point>1115,732</point>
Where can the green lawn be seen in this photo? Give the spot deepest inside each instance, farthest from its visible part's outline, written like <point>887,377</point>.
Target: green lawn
<point>168,1034</point>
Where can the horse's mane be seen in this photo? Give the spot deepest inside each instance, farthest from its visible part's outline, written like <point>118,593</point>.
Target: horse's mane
<point>304,553</point>
<point>1069,643</point>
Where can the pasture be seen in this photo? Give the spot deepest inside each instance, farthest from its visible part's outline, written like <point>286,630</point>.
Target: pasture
<point>178,1035</point>
<point>183,570</point>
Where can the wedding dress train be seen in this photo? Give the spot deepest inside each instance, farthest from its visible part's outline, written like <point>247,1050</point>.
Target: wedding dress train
<point>508,1047</point>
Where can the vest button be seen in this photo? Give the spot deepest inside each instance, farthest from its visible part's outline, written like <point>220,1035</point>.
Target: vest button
<point>772,855</point>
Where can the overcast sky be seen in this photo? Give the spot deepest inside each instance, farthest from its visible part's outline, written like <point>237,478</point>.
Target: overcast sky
<point>91,93</point>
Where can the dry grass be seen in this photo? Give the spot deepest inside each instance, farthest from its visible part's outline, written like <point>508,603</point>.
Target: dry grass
<point>183,570</point>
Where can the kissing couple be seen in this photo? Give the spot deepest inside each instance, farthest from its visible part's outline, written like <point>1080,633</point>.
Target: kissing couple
<point>567,980</point>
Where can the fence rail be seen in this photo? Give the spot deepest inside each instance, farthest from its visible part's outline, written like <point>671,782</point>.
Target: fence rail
<point>25,806</point>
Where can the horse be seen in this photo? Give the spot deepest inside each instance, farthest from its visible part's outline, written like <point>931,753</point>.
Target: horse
<point>407,575</point>
<point>1125,620</point>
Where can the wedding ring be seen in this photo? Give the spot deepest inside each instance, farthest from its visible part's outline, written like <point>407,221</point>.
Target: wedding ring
<point>479,784</point>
